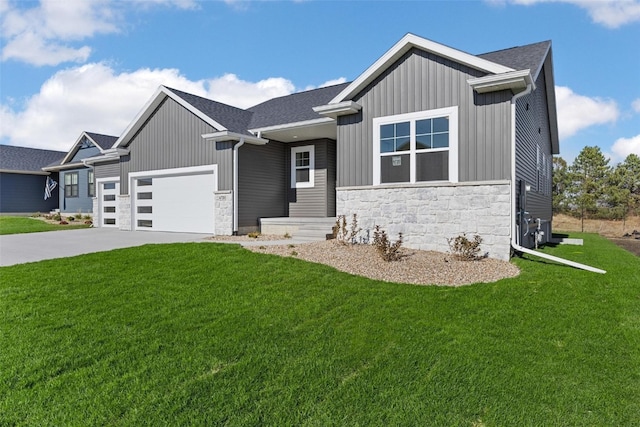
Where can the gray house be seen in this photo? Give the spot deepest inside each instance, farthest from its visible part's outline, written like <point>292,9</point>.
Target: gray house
<point>77,179</point>
<point>22,180</point>
<point>429,141</point>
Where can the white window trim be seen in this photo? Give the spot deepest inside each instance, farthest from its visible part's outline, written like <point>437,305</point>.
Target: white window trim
<point>451,112</point>
<point>312,166</point>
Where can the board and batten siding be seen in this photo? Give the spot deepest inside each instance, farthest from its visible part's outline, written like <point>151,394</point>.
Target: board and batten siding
<point>172,138</point>
<point>107,169</point>
<point>314,201</point>
<point>421,81</point>
<point>533,131</point>
<point>262,177</point>
<point>81,204</point>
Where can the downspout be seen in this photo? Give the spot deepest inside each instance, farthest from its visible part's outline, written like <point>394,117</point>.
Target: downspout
<point>235,185</point>
<point>514,244</point>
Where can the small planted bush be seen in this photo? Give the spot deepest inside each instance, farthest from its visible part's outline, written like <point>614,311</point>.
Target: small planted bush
<point>388,251</point>
<point>346,234</point>
<point>464,249</point>
<point>254,234</point>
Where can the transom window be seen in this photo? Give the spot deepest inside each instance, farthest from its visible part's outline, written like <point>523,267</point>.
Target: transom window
<point>71,184</point>
<point>416,147</point>
<point>302,166</point>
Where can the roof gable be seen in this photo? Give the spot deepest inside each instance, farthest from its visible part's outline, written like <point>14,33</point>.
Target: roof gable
<point>97,140</point>
<point>24,159</point>
<point>405,44</point>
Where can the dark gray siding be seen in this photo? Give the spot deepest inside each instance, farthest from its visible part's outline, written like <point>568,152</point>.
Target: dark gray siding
<point>261,182</point>
<point>533,132</point>
<point>22,193</point>
<point>107,169</point>
<point>315,201</point>
<point>83,203</point>
<point>172,138</point>
<point>421,81</point>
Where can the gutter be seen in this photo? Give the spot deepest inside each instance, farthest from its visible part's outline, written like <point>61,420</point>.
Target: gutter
<point>235,185</point>
<point>514,243</point>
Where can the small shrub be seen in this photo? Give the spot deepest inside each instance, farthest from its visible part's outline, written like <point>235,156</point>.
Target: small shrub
<point>262,247</point>
<point>294,253</point>
<point>254,234</point>
<point>36,215</point>
<point>291,246</point>
<point>343,234</point>
<point>287,235</point>
<point>87,216</point>
<point>70,218</point>
<point>56,217</point>
<point>386,249</point>
<point>464,249</point>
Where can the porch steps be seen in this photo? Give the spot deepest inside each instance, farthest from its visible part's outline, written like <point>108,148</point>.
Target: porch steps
<point>305,228</point>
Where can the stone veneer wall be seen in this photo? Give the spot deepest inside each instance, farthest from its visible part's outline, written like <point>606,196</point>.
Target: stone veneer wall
<point>427,215</point>
<point>124,212</point>
<point>224,213</point>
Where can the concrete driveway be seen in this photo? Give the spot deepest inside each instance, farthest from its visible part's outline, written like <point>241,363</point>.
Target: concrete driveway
<point>21,248</point>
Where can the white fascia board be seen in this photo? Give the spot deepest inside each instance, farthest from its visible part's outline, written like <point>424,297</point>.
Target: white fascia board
<point>107,155</point>
<point>21,172</point>
<point>150,107</point>
<point>62,167</point>
<point>517,81</point>
<point>225,135</point>
<point>294,125</point>
<point>404,45</point>
<point>340,109</point>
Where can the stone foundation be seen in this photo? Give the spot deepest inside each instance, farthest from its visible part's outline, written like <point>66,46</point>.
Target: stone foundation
<point>224,213</point>
<point>427,215</point>
<point>124,212</point>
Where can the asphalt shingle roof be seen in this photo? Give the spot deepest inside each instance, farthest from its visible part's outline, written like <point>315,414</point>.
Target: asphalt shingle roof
<point>26,159</point>
<point>297,107</point>
<point>232,118</point>
<point>104,141</point>
<point>530,56</point>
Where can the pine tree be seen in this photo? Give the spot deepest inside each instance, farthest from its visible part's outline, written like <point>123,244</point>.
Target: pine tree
<point>623,187</point>
<point>588,176</point>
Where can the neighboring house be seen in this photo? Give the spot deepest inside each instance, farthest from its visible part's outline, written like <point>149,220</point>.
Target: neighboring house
<point>22,180</point>
<point>77,178</point>
<point>429,141</point>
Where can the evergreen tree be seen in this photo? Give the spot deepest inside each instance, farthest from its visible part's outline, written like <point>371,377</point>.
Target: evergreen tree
<point>588,175</point>
<point>561,183</point>
<point>623,187</point>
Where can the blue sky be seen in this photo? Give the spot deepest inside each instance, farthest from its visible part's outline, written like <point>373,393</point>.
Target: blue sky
<point>69,66</point>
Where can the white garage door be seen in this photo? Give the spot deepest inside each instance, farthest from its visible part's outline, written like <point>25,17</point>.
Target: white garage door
<point>180,203</point>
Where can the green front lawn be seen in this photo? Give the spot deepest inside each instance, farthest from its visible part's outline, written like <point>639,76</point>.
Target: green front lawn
<point>212,334</point>
<point>19,224</point>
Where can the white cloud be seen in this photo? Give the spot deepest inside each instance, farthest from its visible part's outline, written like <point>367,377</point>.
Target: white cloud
<point>636,105</point>
<point>95,98</point>
<point>625,146</point>
<point>610,13</point>
<point>332,82</point>
<point>577,112</point>
<point>48,33</point>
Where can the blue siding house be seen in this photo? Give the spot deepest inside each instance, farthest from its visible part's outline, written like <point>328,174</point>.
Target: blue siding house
<point>77,179</point>
<point>22,180</point>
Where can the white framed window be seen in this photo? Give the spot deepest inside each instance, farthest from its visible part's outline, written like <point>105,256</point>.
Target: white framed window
<point>302,166</point>
<point>416,147</point>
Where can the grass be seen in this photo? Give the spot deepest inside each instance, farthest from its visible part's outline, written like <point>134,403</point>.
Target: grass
<point>211,334</point>
<point>16,224</point>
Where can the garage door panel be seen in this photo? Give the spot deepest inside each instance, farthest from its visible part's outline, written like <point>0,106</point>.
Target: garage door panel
<point>179,203</point>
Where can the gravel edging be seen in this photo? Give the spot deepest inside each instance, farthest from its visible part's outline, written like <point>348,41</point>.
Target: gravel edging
<point>416,266</point>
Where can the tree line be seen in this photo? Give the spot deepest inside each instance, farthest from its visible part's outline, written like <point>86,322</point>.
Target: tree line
<point>591,188</point>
